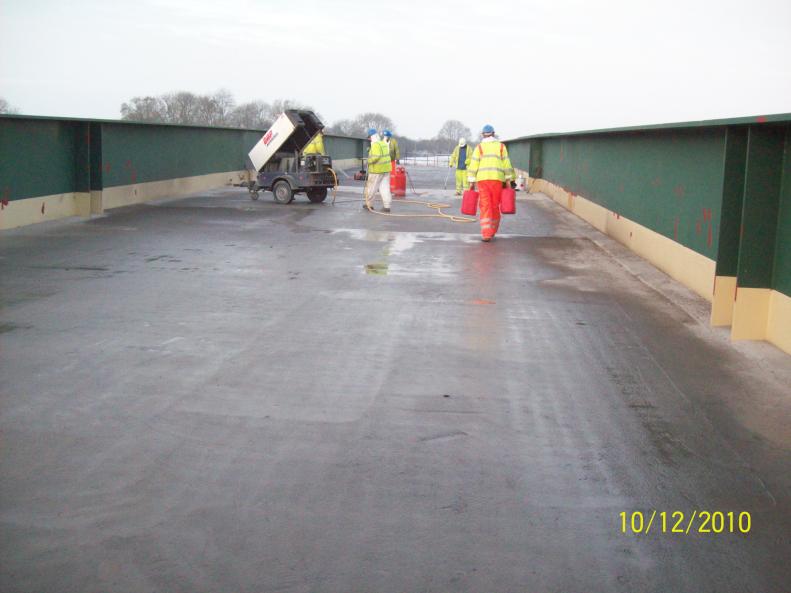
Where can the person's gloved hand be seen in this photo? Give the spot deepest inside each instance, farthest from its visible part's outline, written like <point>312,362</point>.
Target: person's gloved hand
<point>398,162</point>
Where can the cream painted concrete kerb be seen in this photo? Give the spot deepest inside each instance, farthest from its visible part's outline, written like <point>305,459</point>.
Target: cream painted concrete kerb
<point>692,269</point>
<point>778,324</point>
<point>45,208</point>
<point>723,301</point>
<point>19,213</point>
<point>126,195</point>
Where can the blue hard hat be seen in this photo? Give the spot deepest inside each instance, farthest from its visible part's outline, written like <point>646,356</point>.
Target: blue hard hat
<point>388,133</point>
<point>487,129</point>
<point>371,132</point>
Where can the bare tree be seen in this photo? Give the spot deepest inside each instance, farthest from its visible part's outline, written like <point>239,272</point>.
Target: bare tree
<point>255,115</point>
<point>377,121</point>
<point>180,107</point>
<point>147,109</point>
<point>217,109</point>
<point>452,130</point>
<point>344,127</point>
<point>223,104</point>
<point>6,107</point>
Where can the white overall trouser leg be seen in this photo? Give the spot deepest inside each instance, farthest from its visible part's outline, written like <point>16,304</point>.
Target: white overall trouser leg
<point>381,182</point>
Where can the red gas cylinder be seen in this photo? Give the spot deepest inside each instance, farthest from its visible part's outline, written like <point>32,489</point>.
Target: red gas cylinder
<point>398,182</point>
<point>469,202</point>
<point>508,201</point>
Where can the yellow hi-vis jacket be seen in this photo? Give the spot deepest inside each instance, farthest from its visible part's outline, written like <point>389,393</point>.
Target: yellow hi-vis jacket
<point>379,157</point>
<point>395,153</point>
<point>316,146</point>
<point>490,162</point>
<point>454,156</point>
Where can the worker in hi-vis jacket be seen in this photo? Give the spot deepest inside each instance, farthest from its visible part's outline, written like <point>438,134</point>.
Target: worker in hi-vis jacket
<point>460,160</point>
<point>316,145</point>
<point>490,168</point>
<point>395,152</point>
<point>378,172</point>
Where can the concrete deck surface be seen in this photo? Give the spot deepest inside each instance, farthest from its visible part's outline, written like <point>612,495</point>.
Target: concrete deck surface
<point>215,394</point>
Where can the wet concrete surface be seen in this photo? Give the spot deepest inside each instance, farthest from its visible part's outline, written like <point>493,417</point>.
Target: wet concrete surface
<point>216,394</point>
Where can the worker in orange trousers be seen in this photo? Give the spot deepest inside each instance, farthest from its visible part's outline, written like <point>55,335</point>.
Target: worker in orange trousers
<point>490,167</point>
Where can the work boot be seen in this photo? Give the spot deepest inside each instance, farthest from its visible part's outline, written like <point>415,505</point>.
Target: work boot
<point>458,193</point>
<point>365,207</point>
<point>386,210</point>
<point>486,239</point>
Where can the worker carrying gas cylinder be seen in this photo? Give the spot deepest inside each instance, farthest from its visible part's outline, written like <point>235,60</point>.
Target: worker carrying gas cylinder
<point>316,145</point>
<point>460,160</point>
<point>491,169</point>
<point>395,152</point>
<point>378,173</point>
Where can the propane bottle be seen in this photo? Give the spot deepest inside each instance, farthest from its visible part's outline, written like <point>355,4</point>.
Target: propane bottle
<point>469,202</point>
<point>398,182</point>
<point>520,183</point>
<point>508,201</point>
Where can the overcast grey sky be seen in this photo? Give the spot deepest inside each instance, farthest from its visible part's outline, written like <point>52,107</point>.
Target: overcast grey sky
<point>524,66</point>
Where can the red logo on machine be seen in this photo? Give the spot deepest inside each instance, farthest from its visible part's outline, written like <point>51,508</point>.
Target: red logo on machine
<point>268,137</point>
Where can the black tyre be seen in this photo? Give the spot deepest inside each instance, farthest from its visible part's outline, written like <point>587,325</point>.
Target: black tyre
<point>283,192</point>
<point>253,195</point>
<point>317,194</point>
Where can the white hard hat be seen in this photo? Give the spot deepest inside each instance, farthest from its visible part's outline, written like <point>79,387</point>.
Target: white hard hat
<point>462,142</point>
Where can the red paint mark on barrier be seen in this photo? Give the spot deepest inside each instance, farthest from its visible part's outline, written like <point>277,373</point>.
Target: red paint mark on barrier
<point>107,168</point>
<point>698,227</point>
<point>761,119</point>
<point>679,190</point>
<point>134,177</point>
<point>710,238</point>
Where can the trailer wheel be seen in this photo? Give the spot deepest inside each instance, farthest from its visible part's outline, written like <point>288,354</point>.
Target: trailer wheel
<point>253,195</point>
<point>317,194</point>
<point>283,192</point>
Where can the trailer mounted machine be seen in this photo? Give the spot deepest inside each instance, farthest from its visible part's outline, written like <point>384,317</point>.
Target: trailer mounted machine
<point>282,168</point>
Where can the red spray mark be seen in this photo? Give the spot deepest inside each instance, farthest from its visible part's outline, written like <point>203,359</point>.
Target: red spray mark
<point>3,204</point>
<point>761,119</point>
<point>107,168</point>
<point>698,227</point>
<point>710,238</point>
<point>679,190</point>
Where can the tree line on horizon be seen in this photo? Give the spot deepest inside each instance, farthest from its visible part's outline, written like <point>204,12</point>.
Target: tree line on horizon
<point>220,109</point>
